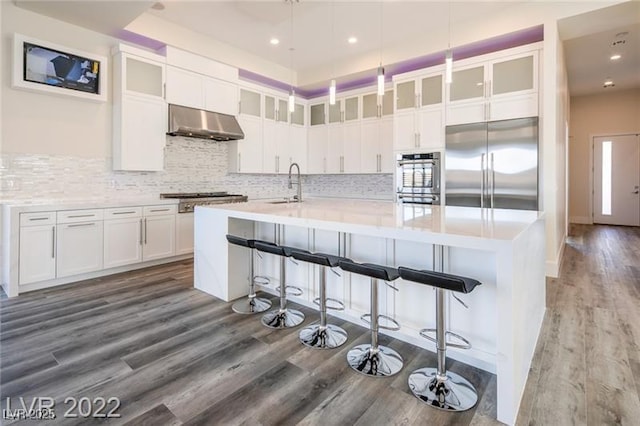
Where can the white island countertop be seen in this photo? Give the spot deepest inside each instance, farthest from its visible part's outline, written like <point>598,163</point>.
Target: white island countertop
<point>504,249</point>
<point>448,225</point>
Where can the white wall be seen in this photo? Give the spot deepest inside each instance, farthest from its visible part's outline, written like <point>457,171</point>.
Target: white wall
<point>59,148</point>
<point>601,114</point>
<point>40,123</point>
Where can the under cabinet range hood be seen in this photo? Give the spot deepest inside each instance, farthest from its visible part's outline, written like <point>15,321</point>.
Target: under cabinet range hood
<point>198,123</point>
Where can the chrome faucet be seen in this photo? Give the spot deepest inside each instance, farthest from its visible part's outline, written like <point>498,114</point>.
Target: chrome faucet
<point>297,197</point>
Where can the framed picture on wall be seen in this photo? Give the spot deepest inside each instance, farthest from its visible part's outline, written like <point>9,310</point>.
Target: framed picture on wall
<point>46,67</point>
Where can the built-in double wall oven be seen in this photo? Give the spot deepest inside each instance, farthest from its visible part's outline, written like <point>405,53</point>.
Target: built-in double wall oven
<point>418,178</point>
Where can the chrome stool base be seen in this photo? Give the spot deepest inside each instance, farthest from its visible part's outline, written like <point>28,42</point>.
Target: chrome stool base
<point>327,337</point>
<point>380,362</point>
<point>454,393</point>
<point>283,318</point>
<point>253,305</point>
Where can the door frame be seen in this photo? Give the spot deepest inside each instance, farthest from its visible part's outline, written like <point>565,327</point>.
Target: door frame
<point>592,137</point>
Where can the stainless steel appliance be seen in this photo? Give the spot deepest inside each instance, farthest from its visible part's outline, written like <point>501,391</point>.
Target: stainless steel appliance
<point>188,200</point>
<point>418,178</point>
<point>493,165</point>
<point>197,123</point>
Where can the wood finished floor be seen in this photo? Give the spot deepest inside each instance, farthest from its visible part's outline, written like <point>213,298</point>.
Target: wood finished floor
<point>174,355</point>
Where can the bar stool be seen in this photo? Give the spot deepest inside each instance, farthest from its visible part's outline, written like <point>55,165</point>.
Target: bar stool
<point>322,335</point>
<point>436,386</point>
<point>373,359</point>
<point>282,317</point>
<point>252,304</point>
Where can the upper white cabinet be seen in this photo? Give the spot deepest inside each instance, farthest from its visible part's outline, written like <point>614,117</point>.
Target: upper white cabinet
<point>419,111</point>
<point>500,88</point>
<point>220,96</point>
<point>195,90</point>
<point>185,88</point>
<point>139,112</point>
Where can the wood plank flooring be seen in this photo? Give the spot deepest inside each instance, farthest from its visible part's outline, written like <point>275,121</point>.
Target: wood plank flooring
<point>174,355</point>
<point>587,364</point>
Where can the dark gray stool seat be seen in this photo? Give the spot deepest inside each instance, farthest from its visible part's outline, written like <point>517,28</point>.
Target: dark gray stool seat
<point>322,335</point>
<point>373,359</point>
<point>281,317</point>
<point>436,386</point>
<point>252,304</point>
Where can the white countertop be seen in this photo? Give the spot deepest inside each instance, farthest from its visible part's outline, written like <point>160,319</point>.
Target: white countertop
<point>47,204</point>
<point>360,215</point>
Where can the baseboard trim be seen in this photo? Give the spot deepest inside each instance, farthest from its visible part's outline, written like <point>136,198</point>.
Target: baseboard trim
<point>585,220</point>
<point>553,266</point>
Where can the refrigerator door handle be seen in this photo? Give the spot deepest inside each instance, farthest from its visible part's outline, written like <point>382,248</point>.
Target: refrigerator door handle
<point>493,179</point>
<point>482,180</point>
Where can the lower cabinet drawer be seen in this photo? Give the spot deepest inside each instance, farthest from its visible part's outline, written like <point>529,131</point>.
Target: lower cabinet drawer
<point>122,212</point>
<point>73,216</point>
<point>36,219</point>
<point>160,210</point>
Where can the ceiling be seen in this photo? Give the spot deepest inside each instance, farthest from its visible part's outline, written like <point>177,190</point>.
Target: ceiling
<point>321,28</point>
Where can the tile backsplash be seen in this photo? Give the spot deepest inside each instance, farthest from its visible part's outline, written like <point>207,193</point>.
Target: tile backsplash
<point>190,165</point>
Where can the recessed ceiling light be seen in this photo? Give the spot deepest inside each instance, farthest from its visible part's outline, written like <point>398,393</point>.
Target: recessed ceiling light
<point>352,40</point>
<point>608,83</point>
<point>615,57</point>
<point>274,41</point>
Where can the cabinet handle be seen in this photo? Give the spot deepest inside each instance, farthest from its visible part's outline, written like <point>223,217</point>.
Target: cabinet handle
<point>415,100</point>
<point>159,210</point>
<point>493,178</point>
<point>342,164</point>
<point>489,88</point>
<point>164,90</point>
<point>38,218</point>
<point>239,162</point>
<point>145,230</point>
<point>482,178</point>
<point>239,107</point>
<point>324,165</point>
<point>81,215</point>
<point>53,242</point>
<point>129,212</point>
<point>419,137</point>
<point>488,110</point>
<point>140,239</point>
<point>76,225</point>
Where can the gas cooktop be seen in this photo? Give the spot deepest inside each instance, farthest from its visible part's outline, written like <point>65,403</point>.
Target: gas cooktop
<point>188,200</point>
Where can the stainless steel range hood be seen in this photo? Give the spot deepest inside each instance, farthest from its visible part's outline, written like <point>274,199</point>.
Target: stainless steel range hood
<point>197,123</point>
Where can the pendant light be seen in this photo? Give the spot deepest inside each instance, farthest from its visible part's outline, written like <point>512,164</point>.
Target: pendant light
<point>332,87</point>
<point>380,68</point>
<point>448,56</point>
<point>292,93</point>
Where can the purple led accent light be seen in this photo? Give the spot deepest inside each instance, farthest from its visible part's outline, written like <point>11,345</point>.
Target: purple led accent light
<point>494,44</point>
<point>265,81</point>
<point>140,40</point>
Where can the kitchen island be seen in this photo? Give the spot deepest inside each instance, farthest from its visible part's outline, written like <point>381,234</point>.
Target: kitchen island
<point>504,249</point>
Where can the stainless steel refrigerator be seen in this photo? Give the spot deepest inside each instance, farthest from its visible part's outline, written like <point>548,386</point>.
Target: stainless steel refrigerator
<point>493,165</point>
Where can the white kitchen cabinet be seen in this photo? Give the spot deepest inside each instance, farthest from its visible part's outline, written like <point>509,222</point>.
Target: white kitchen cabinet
<point>159,232</point>
<point>184,233</point>
<point>317,149</point>
<point>246,155</point>
<point>377,146</point>
<point>79,248</point>
<point>37,254</point>
<point>139,111</point>
<point>122,236</point>
<point>196,90</point>
<point>343,148</point>
<point>220,96</point>
<point>499,88</point>
<point>419,117</point>
<point>185,88</point>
